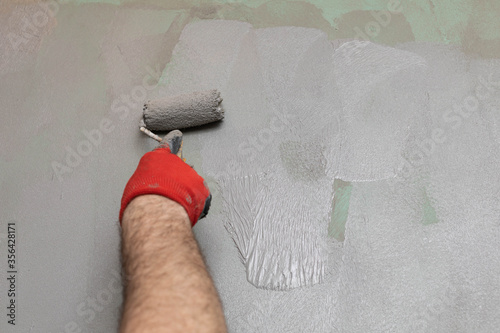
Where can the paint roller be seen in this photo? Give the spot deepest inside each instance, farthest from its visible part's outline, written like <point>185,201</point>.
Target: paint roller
<point>178,112</point>
<point>181,111</point>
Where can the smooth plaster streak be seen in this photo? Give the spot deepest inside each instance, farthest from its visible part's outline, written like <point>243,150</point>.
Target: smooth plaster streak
<point>464,180</point>
<point>280,85</point>
<point>383,109</point>
<point>431,234</point>
<point>203,57</point>
<point>387,254</point>
<point>285,157</point>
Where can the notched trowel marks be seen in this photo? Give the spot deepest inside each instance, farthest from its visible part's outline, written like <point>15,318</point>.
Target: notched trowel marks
<point>281,240</point>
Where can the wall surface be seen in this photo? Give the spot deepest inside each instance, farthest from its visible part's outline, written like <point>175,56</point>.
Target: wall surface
<point>369,168</point>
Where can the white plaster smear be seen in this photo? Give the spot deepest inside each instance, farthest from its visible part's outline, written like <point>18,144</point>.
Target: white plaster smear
<point>424,215</point>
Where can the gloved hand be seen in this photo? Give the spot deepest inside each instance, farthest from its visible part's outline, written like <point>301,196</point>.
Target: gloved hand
<point>163,173</point>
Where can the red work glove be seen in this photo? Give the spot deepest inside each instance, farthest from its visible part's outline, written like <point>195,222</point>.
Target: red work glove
<point>163,173</point>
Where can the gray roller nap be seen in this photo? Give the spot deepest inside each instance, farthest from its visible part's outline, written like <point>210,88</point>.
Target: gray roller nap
<point>182,111</point>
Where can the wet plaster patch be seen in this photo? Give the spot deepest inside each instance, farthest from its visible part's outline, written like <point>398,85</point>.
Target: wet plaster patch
<point>334,209</point>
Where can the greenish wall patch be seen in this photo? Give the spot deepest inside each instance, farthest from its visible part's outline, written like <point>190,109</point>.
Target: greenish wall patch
<point>342,196</point>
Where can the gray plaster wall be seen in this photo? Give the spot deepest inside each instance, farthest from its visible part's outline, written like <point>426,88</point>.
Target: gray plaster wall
<point>417,254</point>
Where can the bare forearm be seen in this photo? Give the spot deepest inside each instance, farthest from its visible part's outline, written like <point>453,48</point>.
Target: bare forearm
<point>168,287</point>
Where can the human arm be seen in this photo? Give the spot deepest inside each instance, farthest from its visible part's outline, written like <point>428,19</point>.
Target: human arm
<point>169,288</point>
<point>167,285</point>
